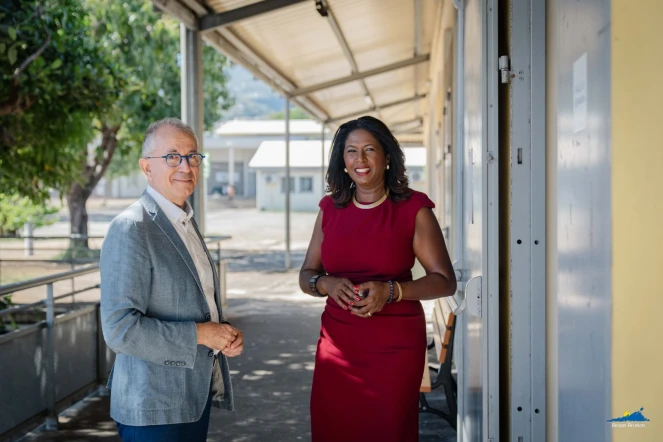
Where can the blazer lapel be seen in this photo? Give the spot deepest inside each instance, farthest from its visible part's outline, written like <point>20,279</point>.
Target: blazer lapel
<point>161,220</point>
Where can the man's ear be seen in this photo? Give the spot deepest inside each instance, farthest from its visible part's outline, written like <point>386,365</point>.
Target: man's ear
<point>145,167</point>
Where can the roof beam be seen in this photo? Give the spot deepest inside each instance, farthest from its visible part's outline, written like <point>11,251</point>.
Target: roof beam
<point>383,106</point>
<point>361,75</point>
<point>222,19</point>
<point>324,10</point>
<point>407,126</point>
<point>180,12</point>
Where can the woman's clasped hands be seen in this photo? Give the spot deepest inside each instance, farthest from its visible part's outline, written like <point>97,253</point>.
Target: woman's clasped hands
<point>347,295</point>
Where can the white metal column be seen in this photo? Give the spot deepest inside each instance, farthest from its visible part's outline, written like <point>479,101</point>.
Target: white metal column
<point>231,167</point>
<point>477,221</point>
<point>191,67</point>
<point>288,258</point>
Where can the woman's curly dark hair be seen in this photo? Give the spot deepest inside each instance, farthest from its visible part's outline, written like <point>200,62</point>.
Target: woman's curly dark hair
<point>339,183</point>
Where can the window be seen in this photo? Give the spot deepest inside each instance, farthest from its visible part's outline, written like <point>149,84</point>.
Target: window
<point>292,185</point>
<point>306,184</point>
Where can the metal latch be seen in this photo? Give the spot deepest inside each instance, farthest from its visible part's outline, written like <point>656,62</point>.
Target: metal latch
<point>506,73</point>
<point>473,296</point>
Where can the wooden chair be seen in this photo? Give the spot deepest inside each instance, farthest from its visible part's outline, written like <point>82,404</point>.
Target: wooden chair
<point>444,326</point>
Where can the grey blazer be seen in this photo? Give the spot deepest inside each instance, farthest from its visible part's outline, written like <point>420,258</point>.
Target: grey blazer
<point>151,298</point>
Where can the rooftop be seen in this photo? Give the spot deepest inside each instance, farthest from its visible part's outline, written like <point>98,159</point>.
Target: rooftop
<point>268,127</point>
<point>307,153</point>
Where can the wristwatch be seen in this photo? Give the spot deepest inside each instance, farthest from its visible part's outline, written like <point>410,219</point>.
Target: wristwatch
<point>312,282</point>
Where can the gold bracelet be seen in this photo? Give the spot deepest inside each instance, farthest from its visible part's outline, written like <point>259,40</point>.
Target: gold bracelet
<point>400,291</point>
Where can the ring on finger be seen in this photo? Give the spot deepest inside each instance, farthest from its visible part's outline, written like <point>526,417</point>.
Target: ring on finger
<point>369,314</point>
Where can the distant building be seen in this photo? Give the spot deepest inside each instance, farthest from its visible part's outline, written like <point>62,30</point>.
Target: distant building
<point>228,150</point>
<point>306,173</point>
<point>235,142</point>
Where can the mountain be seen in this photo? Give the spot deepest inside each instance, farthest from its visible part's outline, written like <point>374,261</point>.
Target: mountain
<point>253,98</point>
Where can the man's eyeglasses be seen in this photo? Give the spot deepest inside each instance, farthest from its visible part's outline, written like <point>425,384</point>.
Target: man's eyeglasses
<point>175,159</point>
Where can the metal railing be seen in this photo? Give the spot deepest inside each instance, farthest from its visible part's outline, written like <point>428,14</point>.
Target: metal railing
<point>48,365</point>
<point>41,371</point>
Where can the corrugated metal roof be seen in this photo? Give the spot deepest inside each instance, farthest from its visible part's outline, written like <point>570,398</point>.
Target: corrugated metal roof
<point>295,47</point>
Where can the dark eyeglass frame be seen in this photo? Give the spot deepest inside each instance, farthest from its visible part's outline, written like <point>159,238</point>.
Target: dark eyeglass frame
<point>188,158</point>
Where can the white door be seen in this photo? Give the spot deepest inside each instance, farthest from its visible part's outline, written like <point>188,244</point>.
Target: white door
<point>477,328</point>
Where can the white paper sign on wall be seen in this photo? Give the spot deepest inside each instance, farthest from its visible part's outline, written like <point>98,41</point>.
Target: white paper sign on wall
<point>580,93</point>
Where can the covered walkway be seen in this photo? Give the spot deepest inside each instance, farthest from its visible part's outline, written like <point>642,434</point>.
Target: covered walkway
<point>271,380</point>
<point>541,122</point>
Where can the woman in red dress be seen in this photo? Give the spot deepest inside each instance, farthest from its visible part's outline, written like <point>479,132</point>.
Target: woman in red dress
<point>370,355</point>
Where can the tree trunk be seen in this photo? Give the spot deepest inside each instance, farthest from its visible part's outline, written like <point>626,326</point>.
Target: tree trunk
<point>79,194</point>
<point>77,200</point>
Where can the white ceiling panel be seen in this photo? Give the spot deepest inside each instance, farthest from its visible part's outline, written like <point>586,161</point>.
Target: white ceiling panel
<point>300,45</point>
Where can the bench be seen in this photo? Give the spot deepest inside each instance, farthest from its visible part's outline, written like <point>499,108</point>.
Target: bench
<point>444,327</point>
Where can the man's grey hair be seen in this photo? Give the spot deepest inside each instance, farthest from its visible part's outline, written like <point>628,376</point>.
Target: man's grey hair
<point>175,123</point>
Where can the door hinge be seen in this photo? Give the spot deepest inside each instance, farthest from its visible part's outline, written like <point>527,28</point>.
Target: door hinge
<point>505,71</point>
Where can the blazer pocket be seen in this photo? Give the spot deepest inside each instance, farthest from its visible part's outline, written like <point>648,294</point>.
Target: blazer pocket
<point>158,387</point>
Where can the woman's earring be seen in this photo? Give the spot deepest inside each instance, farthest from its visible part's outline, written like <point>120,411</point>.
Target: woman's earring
<point>387,166</point>
<point>345,170</point>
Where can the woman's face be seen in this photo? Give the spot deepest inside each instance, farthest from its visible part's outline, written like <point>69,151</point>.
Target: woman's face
<point>365,159</point>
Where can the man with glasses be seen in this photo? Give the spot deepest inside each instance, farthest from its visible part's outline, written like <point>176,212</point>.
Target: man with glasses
<point>160,304</point>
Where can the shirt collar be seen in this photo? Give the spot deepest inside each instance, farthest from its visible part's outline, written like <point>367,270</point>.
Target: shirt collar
<point>172,211</point>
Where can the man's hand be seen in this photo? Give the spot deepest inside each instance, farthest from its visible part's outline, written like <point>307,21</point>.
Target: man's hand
<point>235,348</point>
<point>216,336</point>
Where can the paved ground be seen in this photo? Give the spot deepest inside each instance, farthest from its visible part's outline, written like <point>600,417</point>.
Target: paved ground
<point>272,378</point>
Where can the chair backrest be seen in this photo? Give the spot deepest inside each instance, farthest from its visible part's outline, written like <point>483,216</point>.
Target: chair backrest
<point>443,324</point>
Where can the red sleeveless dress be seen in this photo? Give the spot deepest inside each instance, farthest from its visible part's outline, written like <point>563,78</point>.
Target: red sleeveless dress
<point>368,370</point>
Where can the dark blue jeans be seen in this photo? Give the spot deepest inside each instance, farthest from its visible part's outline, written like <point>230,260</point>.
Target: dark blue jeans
<point>188,432</point>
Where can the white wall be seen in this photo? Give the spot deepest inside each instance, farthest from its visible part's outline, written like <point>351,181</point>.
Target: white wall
<point>270,197</point>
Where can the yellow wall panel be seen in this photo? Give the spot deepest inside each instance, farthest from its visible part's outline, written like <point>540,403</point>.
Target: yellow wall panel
<point>637,207</point>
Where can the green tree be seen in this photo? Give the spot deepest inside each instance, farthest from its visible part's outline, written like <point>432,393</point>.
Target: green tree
<point>54,80</point>
<point>15,211</point>
<point>146,44</point>
<point>295,114</point>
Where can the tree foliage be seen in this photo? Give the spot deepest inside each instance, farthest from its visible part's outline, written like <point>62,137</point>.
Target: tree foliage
<point>147,43</point>
<point>15,211</point>
<point>295,114</point>
<point>55,80</point>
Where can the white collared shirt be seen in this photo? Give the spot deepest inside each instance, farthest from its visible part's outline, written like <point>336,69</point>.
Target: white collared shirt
<point>181,220</point>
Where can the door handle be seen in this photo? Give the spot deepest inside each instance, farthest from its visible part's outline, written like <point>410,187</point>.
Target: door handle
<point>473,296</point>
<point>457,301</point>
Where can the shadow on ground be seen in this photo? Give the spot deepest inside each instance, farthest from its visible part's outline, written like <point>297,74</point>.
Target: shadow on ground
<point>272,261</point>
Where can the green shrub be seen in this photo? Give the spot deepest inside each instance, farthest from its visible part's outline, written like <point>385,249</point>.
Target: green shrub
<point>6,302</point>
<point>15,211</point>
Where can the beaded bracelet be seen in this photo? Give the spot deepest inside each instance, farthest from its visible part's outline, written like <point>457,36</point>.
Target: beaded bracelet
<point>391,292</point>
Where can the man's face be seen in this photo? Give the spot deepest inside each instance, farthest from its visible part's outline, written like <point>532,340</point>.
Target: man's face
<point>174,183</point>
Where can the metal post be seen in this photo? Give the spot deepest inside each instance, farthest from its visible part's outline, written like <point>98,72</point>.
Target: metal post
<point>28,242</point>
<point>322,148</point>
<point>191,67</point>
<point>458,221</point>
<point>51,422</point>
<point>102,369</point>
<point>288,258</point>
<point>231,166</point>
